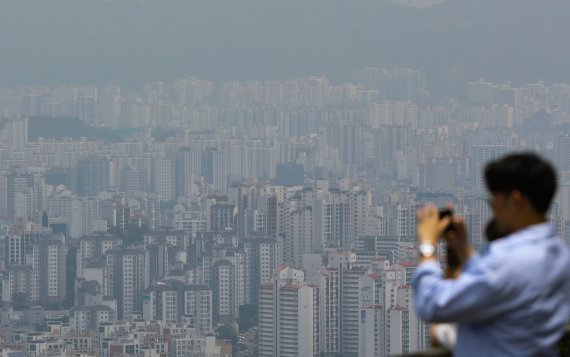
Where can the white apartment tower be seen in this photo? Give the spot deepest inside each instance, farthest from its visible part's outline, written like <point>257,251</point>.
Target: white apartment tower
<point>53,271</point>
<point>198,308</point>
<point>128,277</point>
<point>339,217</point>
<point>164,302</point>
<point>351,308</point>
<point>288,316</point>
<point>300,240</point>
<point>371,325</point>
<point>332,222</point>
<point>163,178</point>
<point>84,216</point>
<point>224,284</point>
<point>405,332</point>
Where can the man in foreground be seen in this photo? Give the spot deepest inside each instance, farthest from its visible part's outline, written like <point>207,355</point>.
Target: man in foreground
<point>514,299</point>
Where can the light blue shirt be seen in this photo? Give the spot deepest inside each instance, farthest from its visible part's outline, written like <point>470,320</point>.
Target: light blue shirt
<point>513,300</point>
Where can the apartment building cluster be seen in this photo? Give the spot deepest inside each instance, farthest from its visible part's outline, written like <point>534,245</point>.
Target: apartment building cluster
<point>343,309</point>
<point>136,337</point>
<point>351,256</point>
<point>295,196</point>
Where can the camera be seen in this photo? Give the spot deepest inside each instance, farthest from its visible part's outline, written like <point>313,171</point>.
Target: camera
<point>445,212</point>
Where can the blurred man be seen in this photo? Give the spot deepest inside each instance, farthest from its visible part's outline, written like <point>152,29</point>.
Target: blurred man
<point>514,299</point>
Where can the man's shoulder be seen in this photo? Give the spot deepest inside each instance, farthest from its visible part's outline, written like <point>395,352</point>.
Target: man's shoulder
<point>529,249</point>
<point>532,261</point>
<point>538,236</point>
<point>518,254</point>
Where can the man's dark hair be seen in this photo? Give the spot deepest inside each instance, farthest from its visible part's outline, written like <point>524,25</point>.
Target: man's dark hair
<point>526,172</point>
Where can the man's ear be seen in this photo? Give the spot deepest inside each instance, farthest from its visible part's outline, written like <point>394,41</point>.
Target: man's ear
<point>518,199</point>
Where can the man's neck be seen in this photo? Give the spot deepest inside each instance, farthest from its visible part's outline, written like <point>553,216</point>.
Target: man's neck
<point>529,220</point>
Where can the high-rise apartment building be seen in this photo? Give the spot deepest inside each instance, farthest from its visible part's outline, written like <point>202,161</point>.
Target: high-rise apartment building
<point>10,185</point>
<point>262,257</point>
<point>189,165</point>
<point>173,302</point>
<point>110,107</point>
<point>288,316</point>
<point>371,320</point>
<point>162,179</point>
<point>88,318</point>
<point>17,284</point>
<point>190,220</point>
<point>17,133</point>
<point>333,221</point>
<point>32,104</point>
<point>150,213</point>
<point>133,181</point>
<point>92,176</point>
<point>84,216</point>
<point>215,166</point>
<point>439,175</point>
<point>340,304</point>
<point>224,290</point>
<point>18,243</point>
<point>127,277</point>
<point>268,206</point>
<point>92,249</point>
<point>223,217</point>
<point>158,261</point>
<point>36,270</point>
<point>164,301</point>
<point>405,332</point>
<point>299,240</point>
<point>198,308</point>
<point>52,270</point>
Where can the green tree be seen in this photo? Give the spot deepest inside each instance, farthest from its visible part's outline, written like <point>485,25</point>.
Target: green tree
<point>247,317</point>
<point>227,332</point>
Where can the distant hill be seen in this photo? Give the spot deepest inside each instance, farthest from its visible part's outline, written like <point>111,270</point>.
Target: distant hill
<point>66,127</point>
<point>128,41</point>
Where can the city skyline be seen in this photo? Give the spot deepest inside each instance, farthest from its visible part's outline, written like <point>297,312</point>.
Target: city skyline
<point>296,198</point>
<point>221,178</point>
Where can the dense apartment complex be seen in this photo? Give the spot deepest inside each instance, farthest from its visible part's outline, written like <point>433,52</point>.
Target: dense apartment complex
<point>158,222</point>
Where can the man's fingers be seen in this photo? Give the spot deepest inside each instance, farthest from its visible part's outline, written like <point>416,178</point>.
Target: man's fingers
<point>426,211</point>
<point>459,226</point>
<point>444,222</point>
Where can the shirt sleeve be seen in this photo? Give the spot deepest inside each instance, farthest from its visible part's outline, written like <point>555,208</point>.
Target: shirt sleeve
<point>474,296</point>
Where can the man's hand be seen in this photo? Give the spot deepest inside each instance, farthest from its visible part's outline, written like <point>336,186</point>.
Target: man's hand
<point>459,250</point>
<point>443,335</point>
<point>429,226</point>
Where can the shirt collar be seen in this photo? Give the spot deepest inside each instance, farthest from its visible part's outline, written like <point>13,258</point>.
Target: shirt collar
<point>525,235</point>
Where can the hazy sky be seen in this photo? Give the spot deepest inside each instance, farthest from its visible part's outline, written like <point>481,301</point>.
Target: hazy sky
<point>84,41</point>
